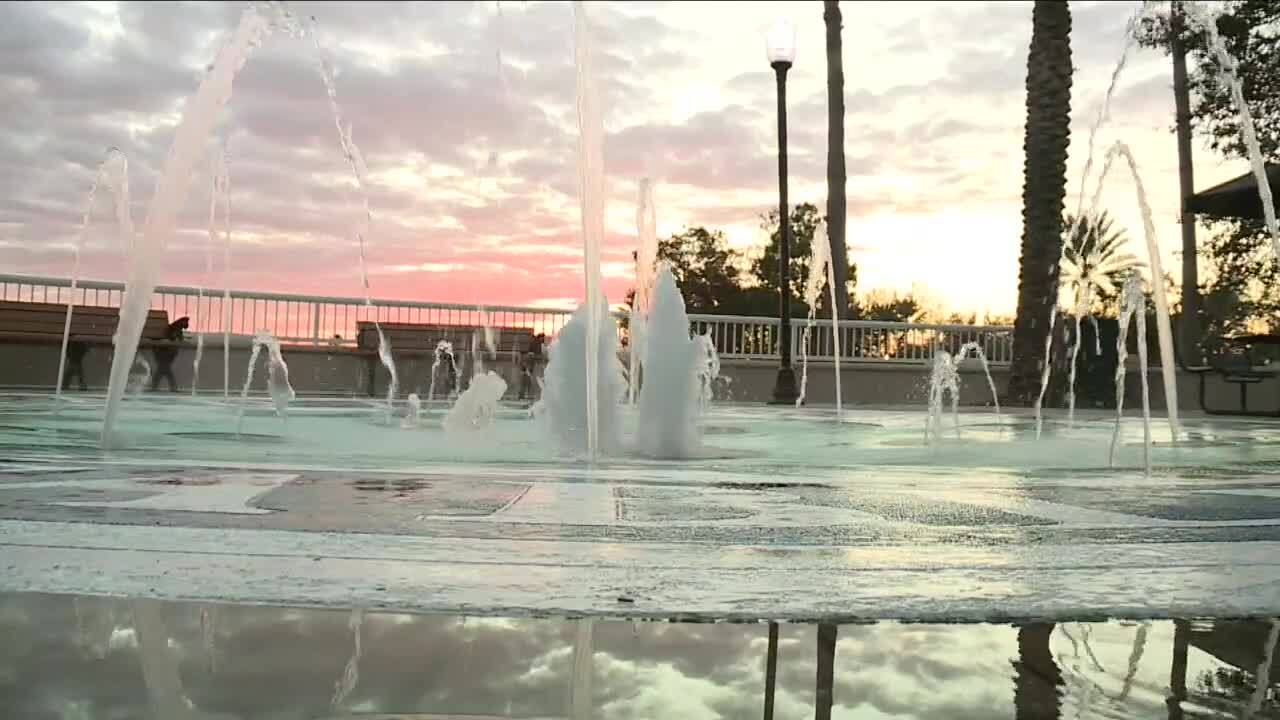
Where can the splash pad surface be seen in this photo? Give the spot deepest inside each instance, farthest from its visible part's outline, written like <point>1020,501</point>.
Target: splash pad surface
<point>790,514</point>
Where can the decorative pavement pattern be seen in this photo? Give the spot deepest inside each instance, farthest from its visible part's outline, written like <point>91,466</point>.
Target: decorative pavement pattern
<point>556,541</point>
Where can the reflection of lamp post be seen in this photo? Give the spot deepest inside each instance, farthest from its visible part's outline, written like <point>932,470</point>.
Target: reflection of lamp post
<point>770,671</point>
<point>781,48</point>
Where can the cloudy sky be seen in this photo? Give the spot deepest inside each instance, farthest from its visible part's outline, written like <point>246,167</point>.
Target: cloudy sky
<point>464,113</point>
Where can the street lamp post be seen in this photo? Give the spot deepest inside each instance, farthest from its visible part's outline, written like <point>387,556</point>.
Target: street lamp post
<point>781,47</point>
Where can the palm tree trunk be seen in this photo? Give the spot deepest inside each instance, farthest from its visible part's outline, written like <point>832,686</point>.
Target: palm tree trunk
<point>836,213</point>
<point>1044,190</point>
<point>1186,185</point>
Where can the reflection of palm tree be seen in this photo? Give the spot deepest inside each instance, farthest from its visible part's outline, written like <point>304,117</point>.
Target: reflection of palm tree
<point>1178,669</point>
<point>1094,261</point>
<point>826,671</point>
<point>1036,675</point>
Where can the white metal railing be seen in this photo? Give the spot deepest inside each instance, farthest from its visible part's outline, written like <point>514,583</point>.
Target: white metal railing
<point>757,337</point>
<point>293,319</point>
<point>323,320</point>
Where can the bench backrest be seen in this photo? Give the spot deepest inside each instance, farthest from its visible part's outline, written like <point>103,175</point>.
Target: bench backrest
<point>420,337</point>
<point>88,322</point>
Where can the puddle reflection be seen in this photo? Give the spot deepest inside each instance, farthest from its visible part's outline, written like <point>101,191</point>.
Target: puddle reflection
<point>82,657</point>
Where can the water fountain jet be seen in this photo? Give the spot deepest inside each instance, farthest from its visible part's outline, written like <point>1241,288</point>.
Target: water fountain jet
<point>671,397</point>
<point>113,172</point>
<point>199,116</point>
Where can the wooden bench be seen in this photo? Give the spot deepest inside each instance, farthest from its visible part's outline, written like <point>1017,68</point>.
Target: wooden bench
<point>42,324</point>
<point>421,339</point>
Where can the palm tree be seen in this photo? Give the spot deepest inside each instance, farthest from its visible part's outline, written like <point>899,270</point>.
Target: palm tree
<point>835,155</point>
<point>1044,191</point>
<point>1094,263</point>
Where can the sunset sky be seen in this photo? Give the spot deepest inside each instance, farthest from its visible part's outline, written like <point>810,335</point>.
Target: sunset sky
<point>472,160</point>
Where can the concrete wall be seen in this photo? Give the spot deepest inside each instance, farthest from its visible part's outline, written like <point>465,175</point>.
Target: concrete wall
<point>894,383</point>
<point>311,370</point>
<point>325,371</point>
<point>863,383</point>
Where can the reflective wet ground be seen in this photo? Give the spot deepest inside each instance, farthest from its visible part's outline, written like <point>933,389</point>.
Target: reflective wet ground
<point>87,658</point>
<point>240,559</point>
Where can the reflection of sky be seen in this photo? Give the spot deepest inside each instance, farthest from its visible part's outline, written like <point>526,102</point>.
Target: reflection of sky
<point>65,658</point>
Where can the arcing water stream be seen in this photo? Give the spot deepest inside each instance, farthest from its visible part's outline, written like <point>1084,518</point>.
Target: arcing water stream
<point>220,189</point>
<point>591,197</point>
<point>198,118</point>
<point>820,271</point>
<point>114,173</point>
<point>646,264</point>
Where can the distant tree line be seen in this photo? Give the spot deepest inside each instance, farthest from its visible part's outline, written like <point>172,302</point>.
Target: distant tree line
<point>716,279</point>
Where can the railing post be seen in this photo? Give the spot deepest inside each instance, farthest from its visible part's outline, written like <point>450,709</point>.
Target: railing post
<point>315,323</point>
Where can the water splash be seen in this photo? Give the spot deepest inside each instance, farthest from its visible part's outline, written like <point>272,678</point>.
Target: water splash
<point>476,408</point>
<point>1104,110</point>
<point>278,387</point>
<point>1164,328</point>
<point>351,671</point>
<point>566,384</point>
<point>139,375</point>
<point>443,351</point>
<point>1135,657</point>
<point>943,379</point>
<point>208,637</point>
<point>477,357</point>
<point>976,349</point>
<point>820,270</point>
<point>113,172</point>
<point>1104,114</point>
<point>365,227</point>
<point>707,363</point>
<point>490,333</point>
<point>220,189</point>
<point>1132,304</point>
<point>413,412</point>
<point>226,285</point>
<point>1228,71</point>
<point>592,197</point>
<point>199,116</point>
<point>677,377</point>
<point>1044,373</point>
<point>646,266</point>
<point>1083,294</point>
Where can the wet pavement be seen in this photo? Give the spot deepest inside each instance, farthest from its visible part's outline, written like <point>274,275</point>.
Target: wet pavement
<point>483,539</point>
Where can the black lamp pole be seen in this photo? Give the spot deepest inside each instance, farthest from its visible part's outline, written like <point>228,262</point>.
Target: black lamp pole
<point>784,388</point>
